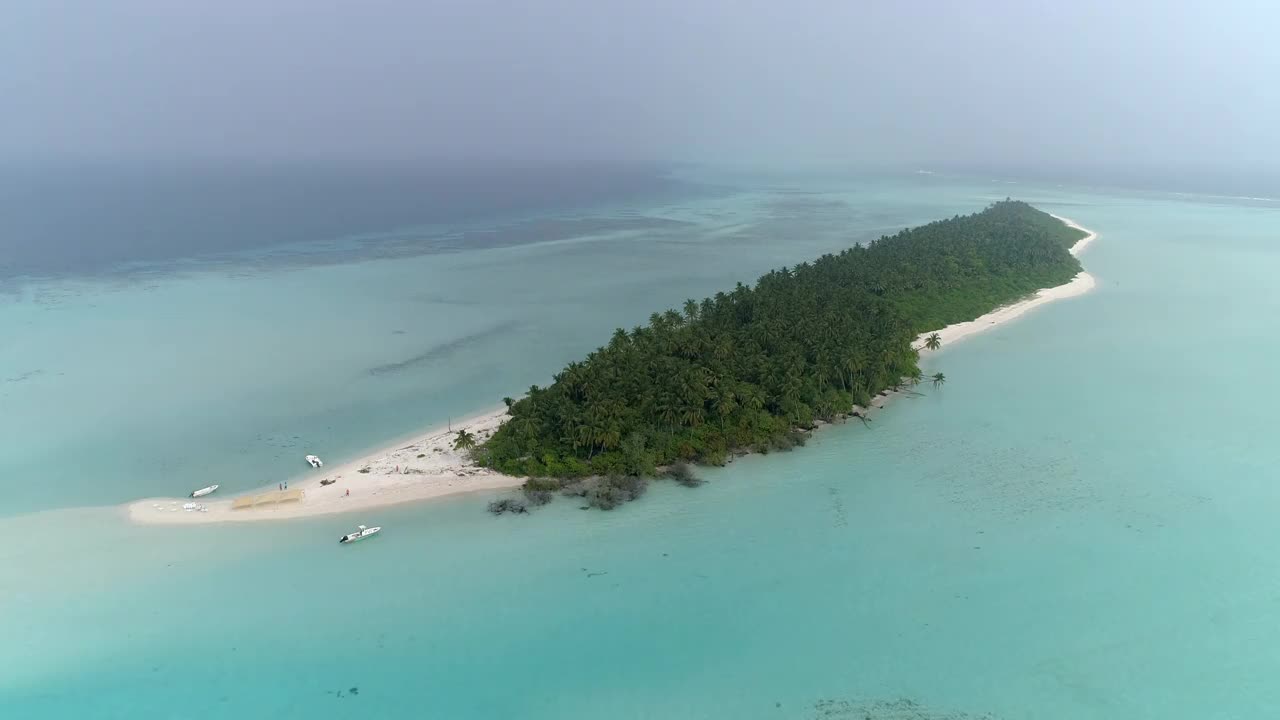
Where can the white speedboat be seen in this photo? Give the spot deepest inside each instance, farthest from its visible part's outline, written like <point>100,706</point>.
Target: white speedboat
<point>360,534</point>
<point>204,491</point>
<point>314,461</point>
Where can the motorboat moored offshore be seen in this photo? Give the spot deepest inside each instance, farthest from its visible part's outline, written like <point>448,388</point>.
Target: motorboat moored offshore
<point>360,534</point>
<point>204,491</point>
<point>314,461</point>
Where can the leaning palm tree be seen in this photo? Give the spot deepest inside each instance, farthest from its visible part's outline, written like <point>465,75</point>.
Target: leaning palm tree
<point>933,342</point>
<point>939,379</point>
<point>464,441</point>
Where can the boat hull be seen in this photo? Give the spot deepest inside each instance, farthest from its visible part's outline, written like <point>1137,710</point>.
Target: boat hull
<point>357,537</point>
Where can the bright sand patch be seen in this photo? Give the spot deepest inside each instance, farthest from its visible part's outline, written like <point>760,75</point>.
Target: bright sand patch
<point>429,467</point>
<point>420,469</point>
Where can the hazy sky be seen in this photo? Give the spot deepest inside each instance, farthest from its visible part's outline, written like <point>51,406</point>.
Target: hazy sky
<point>1072,82</point>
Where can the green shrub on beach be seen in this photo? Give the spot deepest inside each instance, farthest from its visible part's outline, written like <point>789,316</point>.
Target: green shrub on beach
<point>614,490</point>
<point>508,505</point>
<point>537,498</point>
<point>536,484</point>
<point>682,473</point>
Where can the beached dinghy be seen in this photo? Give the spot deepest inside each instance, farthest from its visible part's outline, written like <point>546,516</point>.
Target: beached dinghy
<point>204,491</point>
<point>314,461</point>
<point>360,534</point>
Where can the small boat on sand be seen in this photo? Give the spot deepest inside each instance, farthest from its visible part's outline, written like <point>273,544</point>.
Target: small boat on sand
<point>314,461</point>
<point>204,491</point>
<point>360,534</point>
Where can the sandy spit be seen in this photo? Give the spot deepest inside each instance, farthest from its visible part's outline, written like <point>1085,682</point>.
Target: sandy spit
<point>422,469</point>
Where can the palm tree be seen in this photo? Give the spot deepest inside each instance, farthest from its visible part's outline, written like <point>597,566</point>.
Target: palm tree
<point>464,441</point>
<point>584,435</point>
<point>668,409</point>
<point>724,403</point>
<point>723,347</point>
<point>933,342</point>
<point>753,399</point>
<point>939,379</point>
<point>691,309</point>
<point>691,415</point>
<point>526,427</point>
<point>610,437</point>
<point>853,364</point>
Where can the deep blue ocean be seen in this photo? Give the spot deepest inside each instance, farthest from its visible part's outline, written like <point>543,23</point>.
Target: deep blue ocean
<point>93,219</point>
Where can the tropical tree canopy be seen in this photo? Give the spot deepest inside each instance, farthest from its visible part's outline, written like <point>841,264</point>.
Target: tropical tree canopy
<point>749,365</point>
<point>464,441</point>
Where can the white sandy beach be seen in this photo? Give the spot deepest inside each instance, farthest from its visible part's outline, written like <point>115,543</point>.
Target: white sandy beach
<point>429,467</point>
<point>409,470</point>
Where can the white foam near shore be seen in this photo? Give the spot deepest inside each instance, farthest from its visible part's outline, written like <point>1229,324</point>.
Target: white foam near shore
<point>430,467</point>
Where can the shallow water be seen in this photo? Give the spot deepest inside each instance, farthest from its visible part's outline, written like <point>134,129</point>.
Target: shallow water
<point>1078,525</point>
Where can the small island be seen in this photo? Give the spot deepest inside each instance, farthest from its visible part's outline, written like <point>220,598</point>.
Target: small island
<point>752,368</point>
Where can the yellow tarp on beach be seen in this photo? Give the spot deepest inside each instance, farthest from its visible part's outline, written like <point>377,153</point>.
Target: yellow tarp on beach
<point>267,498</point>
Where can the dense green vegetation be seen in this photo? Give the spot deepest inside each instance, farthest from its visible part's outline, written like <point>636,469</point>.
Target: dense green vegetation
<point>749,368</point>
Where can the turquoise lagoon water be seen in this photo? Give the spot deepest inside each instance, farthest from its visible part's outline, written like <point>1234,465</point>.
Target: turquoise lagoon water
<point>1080,524</point>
